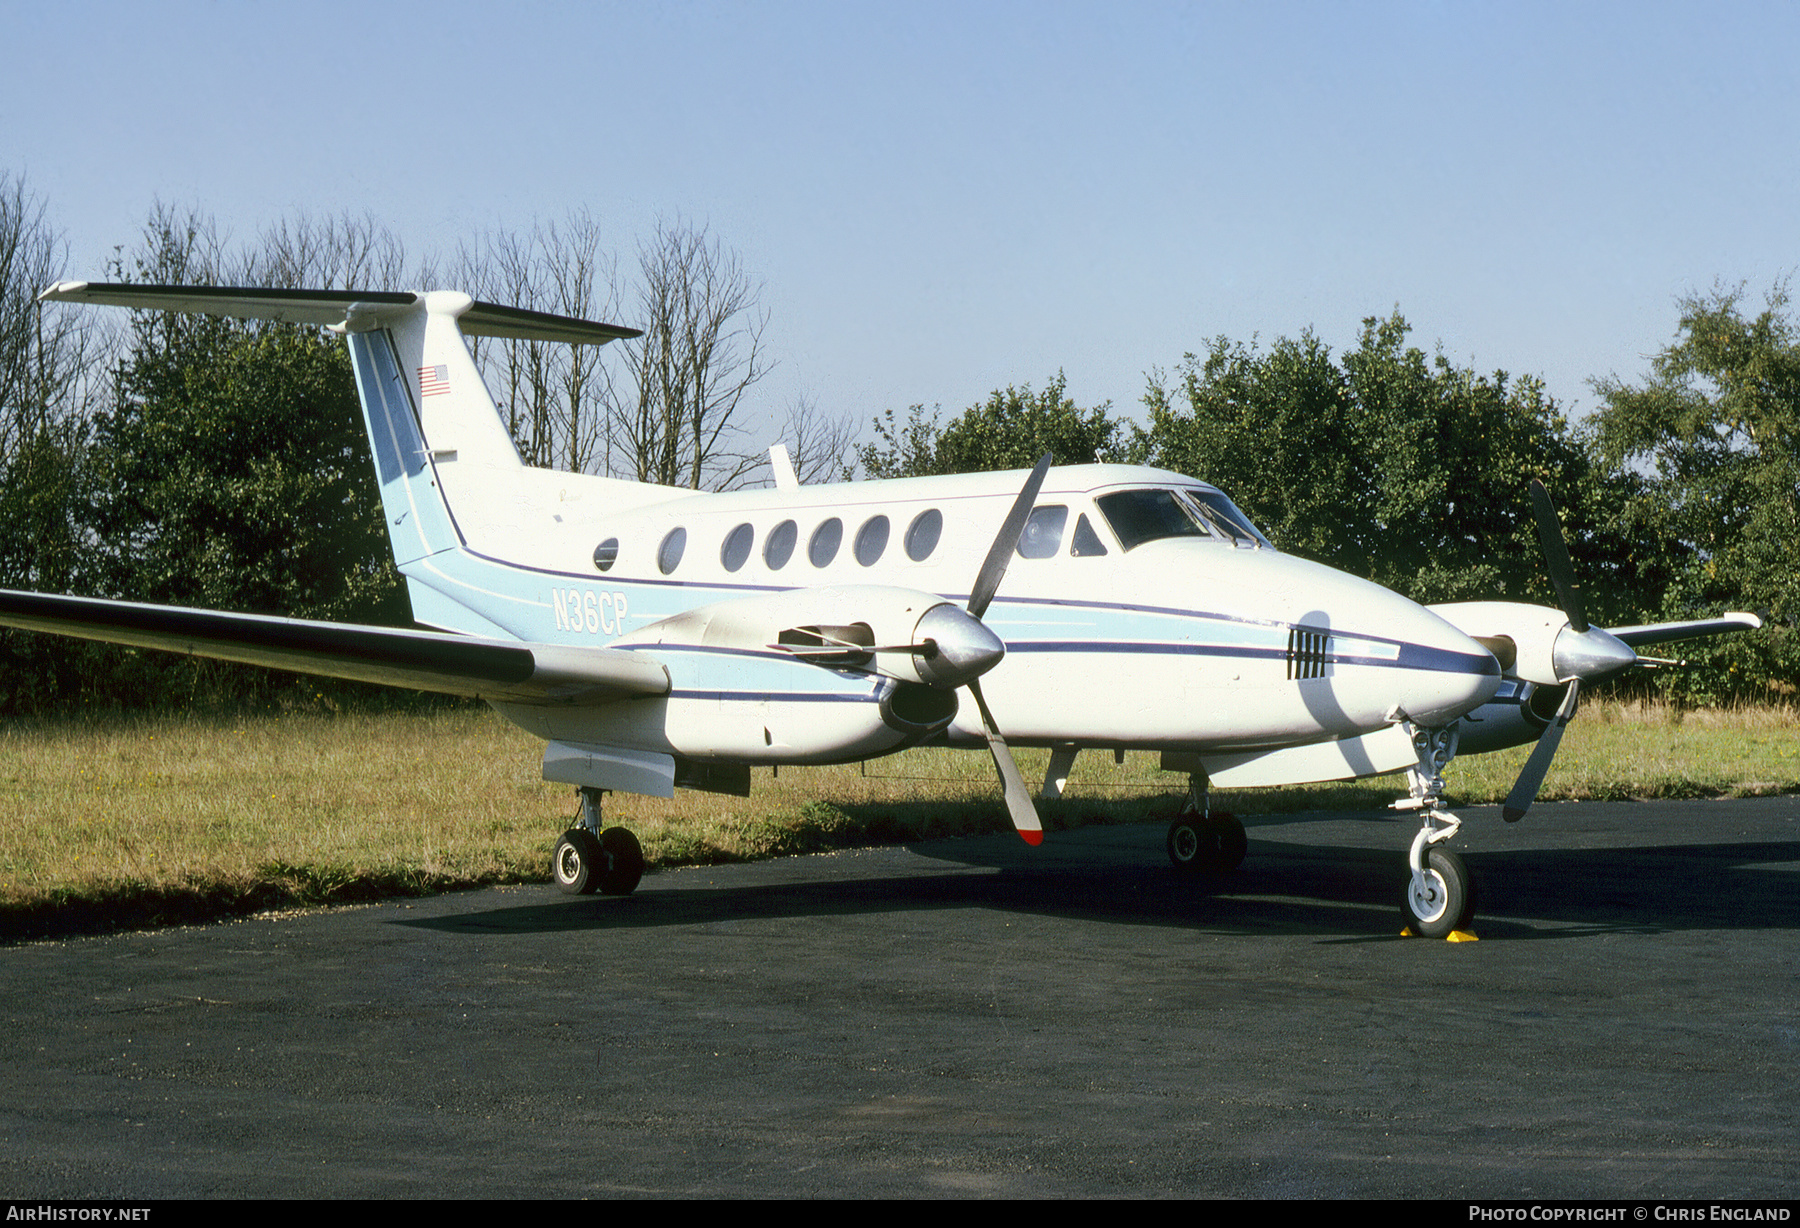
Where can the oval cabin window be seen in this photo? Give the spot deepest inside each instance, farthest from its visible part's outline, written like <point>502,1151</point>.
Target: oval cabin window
<point>736,549</point>
<point>922,535</point>
<point>668,555</point>
<point>871,540</point>
<point>606,554</point>
<point>779,547</point>
<point>825,542</point>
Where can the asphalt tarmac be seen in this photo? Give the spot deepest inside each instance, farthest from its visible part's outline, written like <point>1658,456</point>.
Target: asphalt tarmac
<point>969,1017</point>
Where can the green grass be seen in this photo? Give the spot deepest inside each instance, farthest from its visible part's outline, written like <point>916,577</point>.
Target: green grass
<point>151,821</point>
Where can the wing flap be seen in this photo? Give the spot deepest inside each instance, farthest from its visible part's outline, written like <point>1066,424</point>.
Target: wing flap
<point>421,660</point>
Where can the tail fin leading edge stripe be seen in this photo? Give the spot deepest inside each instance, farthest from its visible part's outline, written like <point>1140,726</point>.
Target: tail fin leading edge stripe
<point>418,521</point>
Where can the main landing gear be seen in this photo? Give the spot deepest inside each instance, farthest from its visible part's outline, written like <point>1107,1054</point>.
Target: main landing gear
<point>589,859</point>
<point>1440,894</point>
<point>1205,841</point>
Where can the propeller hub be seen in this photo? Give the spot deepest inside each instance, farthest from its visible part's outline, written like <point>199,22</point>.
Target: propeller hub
<point>965,649</point>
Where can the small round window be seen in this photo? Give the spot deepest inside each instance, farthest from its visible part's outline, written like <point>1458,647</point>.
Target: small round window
<point>737,547</point>
<point>779,547</point>
<point>606,554</point>
<point>922,535</point>
<point>825,542</point>
<point>668,555</point>
<point>871,540</point>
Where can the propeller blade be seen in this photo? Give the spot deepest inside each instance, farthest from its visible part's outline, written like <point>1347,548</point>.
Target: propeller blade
<point>1556,557</point>
<point>1531,779</point>
<point>1000,553</point>
<point>1018,797</point>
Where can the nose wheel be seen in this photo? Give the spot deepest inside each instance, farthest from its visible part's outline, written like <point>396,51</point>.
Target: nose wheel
<point>1440,897</point>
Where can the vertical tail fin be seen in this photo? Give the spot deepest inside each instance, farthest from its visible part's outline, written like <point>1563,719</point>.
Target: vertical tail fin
<point>437,438</point>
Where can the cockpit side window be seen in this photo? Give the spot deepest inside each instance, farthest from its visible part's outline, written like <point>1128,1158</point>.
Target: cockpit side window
<point>1087,542</point>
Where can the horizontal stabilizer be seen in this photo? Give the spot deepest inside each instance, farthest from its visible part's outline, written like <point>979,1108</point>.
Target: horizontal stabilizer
<point>330,308</point>
<point>1660,633</point>
<point>422,660</point>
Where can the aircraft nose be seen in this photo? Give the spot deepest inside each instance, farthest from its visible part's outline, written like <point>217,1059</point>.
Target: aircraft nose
<point>965,648</point>
<point>1459,676</point>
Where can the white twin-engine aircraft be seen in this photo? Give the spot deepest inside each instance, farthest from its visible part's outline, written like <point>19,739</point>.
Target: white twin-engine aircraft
<point>657,637</point>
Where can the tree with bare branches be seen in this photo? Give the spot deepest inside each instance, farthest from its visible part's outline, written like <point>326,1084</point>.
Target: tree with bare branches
<point>48,379</point>
<point>553,395</point>
<point>822,447</point>
<point>676,402</point>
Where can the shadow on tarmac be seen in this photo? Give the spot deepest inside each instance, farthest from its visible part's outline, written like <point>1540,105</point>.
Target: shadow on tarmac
<point>1334,893</point>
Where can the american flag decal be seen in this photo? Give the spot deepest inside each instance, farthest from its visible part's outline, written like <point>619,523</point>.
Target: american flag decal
<point>434,380</point>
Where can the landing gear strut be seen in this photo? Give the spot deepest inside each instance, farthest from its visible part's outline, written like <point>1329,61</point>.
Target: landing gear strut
<point>590,858</point>
<point>1202,840</point>
<point>1440,894</point>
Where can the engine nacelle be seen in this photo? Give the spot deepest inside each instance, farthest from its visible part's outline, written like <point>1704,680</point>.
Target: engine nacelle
<point>865,627</point>
<point>1532,629</point>
<point>1545,648</point>
<point>1518,713</point>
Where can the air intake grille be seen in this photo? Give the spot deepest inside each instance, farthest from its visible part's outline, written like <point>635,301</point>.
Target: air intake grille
<point>1307,653</point>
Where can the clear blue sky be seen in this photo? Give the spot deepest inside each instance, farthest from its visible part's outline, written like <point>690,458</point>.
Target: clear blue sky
<point>943,199</point>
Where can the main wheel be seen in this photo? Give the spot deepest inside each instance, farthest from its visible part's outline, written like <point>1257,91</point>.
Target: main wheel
<point>1446,901</point>
<point>622,859</point>
<point>576,863</point>
<point>1233,843</point>
<point>1213,844</point>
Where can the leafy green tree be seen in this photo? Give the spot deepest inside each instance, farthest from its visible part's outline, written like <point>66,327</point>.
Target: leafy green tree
<point>1716,430</point>
<point>233,474</point>
<point>1011,430</point>
<point>1278,432</point>
<point>903,450</point>
<point>230,471</point>
<point>1389,464</point>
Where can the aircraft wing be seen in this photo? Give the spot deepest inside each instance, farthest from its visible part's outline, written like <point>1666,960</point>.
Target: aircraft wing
<point>421,660</point>
<point>1657,633</point>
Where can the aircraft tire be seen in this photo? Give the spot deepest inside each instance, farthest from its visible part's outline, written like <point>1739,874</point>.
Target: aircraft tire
<point>1233,843</point>
<point>1214,844</point>
<point>622,859</point>
<point>575,863</point>
<point>1449,904</point>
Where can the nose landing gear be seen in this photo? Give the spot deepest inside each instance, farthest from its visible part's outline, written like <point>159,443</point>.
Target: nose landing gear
<point>1440,894</point>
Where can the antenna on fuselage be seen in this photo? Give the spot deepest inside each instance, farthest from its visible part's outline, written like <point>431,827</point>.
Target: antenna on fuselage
<point>783,467</point>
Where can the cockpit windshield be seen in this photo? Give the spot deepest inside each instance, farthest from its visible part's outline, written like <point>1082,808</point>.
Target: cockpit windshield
<point>1226,518</point>
<point>1139,516</point>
